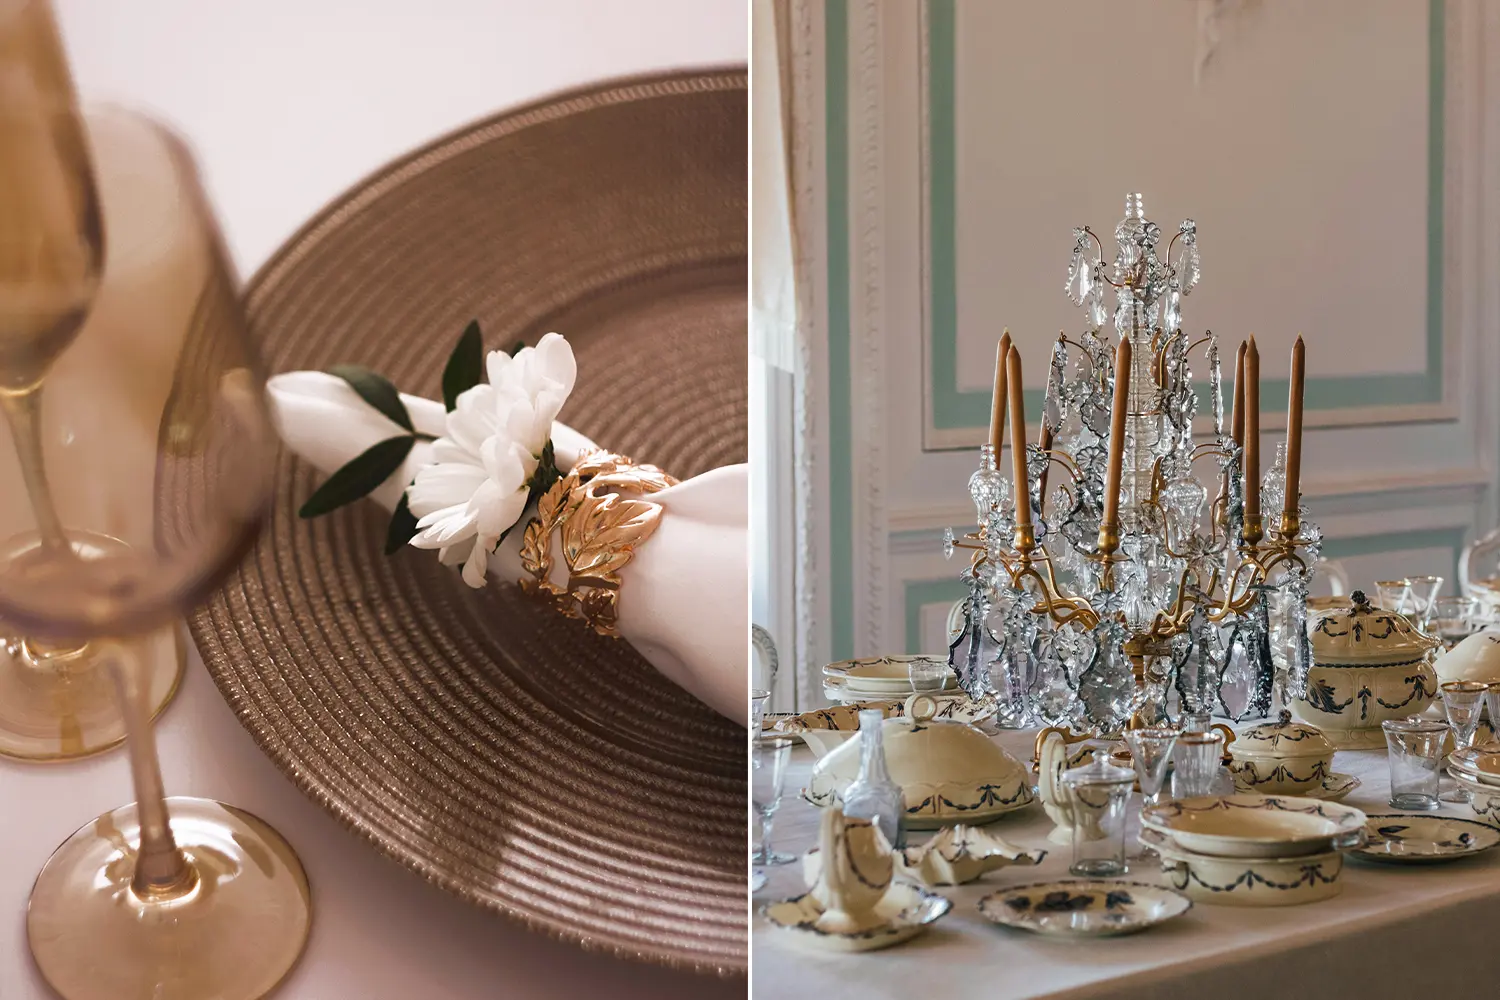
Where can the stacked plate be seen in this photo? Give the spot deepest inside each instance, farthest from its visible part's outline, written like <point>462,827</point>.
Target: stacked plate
<point>1253,850</point>
<point>879,677</point>
<point>1477,771</point>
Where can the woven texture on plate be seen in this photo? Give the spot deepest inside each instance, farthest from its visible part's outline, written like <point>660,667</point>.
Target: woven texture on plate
<point>502,752</point>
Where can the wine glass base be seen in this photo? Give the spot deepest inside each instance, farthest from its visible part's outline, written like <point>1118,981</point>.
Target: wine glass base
<point>764,857</point>
<point>61,705</point>
<point>234,935</point>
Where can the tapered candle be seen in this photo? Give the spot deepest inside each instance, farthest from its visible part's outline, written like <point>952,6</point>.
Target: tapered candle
<point>1237,408</point>
<point>1018,439</point>
<point>1252,442</point>
<point>997,402</point>
<point>1294,431</point>
<point>1109,528</point>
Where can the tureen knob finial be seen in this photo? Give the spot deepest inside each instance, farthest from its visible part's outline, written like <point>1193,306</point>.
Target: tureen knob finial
<point>1286,717</point>
<point>1359,601</point>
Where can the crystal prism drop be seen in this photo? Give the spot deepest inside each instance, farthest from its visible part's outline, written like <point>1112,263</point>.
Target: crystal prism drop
<point>948,543</point>
<point>1172,316</point>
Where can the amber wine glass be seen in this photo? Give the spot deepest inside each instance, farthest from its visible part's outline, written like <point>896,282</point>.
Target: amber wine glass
<point>166,898</point>
<point>56,700</point>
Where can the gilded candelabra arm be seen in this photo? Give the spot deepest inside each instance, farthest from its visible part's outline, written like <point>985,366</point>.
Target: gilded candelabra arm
<point>1231,604</point>
<point>1066,461</point>
<point>1063,610</point>
<point>1200,342</point>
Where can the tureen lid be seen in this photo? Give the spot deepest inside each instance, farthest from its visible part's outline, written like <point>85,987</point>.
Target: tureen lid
<point>1282,738</point>
<point>920,749</point>
<point>1361,633</point>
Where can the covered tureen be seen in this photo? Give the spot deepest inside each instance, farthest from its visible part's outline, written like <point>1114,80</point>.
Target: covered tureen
<point>949,772</point>
<point>1369,665</point>
<point>1281,758</point>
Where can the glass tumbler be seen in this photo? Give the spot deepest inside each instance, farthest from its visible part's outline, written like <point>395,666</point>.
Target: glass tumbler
<point>1492,705</point>
<point>1414,748</point>
<point>758,699</point>
<point>927,674</point>
<point>1196,762</point>
<point>1453,619</point>
<point>1098,795</point>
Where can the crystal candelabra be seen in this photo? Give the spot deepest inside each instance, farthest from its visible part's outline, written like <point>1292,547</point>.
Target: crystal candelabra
<point>1125,594</point>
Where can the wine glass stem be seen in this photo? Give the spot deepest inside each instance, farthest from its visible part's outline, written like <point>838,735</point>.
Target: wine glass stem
<point>23,411</point>
<point>162,871</point>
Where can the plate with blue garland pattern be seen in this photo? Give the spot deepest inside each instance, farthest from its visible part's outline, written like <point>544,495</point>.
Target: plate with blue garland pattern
<point>1409,839</point>
<point>1084,908</point>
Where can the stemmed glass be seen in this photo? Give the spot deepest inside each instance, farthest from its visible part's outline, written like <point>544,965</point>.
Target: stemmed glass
<point>56,702</point>
<point>1424,592</point>
<point>1394,595</point>
<point>768,759</point>
<point>180,897</point>
<point>1462,703</point>
<point>1454,619</point>
<point>1150,753</point>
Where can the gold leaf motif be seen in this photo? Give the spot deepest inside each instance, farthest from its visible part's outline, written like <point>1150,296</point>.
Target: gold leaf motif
<point>600,528</point>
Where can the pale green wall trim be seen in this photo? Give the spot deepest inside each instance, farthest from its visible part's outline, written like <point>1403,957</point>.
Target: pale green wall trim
<point>918,594</point>
<point>953,409</point>
<point>1353,546</point>
<point>840,469</point>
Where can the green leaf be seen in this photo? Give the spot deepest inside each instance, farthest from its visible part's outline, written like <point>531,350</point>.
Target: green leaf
<point>465,365</point>
<point>546,473</point>
<point>359,477</point>
<point>403,527</point>
<point>375,390</point>
<point>517,347</point>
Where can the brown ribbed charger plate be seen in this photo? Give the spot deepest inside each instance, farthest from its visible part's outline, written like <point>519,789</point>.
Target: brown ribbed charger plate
<point>496,749</point>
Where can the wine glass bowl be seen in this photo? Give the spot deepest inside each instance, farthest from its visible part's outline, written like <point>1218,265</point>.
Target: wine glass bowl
<point>159,388</point>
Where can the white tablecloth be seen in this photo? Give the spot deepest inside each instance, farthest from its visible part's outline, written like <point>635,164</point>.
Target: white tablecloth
<point>287,103</point>
<point>1402,932</point>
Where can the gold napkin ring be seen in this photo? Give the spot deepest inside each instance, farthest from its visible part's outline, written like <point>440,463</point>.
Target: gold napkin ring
<point>600,511</point>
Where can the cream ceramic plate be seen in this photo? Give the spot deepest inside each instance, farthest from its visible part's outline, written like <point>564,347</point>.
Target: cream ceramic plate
<point>1084,908</point>
<point>886,674</point>
<point>1479,763</point>
<point>1255,826</point>
<point>905,912</point>
<point>1413,839</point>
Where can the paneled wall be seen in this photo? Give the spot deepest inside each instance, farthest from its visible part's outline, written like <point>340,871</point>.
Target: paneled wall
<point>1342,165</point>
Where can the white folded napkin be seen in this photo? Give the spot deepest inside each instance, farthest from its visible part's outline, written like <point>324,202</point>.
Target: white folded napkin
<point>684,598</point>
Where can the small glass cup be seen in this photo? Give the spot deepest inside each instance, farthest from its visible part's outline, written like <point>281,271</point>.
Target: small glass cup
<point>1454,619</point>
<point>1394,595</point>
<point>768,760</point>
<point>1098,794</point>
<point>927,674</point>
<point>758,700</point>
<point>1414,748</point>
<point>1196,722</point>
<point>1196,762</point>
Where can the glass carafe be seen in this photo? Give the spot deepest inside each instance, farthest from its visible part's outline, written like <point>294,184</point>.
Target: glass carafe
<point>1479,575</point>
<point>873,795</point>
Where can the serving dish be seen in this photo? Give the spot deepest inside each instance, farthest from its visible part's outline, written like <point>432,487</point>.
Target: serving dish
<point>1083,908</point>
<point>1287,881</point>
<point>1281,758</point>
<point>1369,665</point>
<point>1255,826</point>
<point>948,771</point>
<point>823,729</point>
<point>960,854</point>
<point>884,675</point>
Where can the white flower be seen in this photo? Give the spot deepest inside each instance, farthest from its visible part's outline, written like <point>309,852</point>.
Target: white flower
<point>476,487</point>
